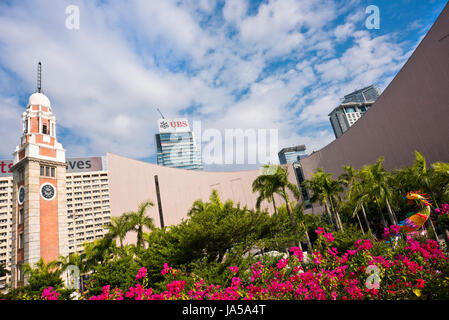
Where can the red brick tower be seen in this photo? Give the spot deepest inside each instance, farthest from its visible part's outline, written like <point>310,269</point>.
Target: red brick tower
<point>39,224</point>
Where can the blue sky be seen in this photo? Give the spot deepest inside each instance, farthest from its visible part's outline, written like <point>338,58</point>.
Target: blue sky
<point>230,64</point>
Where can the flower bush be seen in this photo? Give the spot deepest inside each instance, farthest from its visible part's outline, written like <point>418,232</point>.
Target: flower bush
<point>443,216</point>
<point>410,270</point>
<point>443,210</point>
<point>49,294</point>
<point>391,232</point>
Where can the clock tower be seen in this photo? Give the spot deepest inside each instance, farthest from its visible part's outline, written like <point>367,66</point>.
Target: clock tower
<point>39,223</point>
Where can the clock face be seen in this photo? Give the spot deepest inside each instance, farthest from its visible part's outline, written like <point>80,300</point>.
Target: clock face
<point>21,194</point>
<point>48,191</point>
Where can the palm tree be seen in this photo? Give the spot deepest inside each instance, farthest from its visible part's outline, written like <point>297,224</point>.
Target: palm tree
<point>274,179</point>
<point>119,227</point>
<point>376,180</point>
<point>266,188</point>
<point>440,174</point>
<point>327,192</point>
<point>423,176</point>
<point>98,251</point>
<point>301,217</point>
<point>75,259</point>
<point>41,266</point>
<point>138,220</point>
<point>283,184</point>
<point>351,178</point>
<point>201,206</point>
<point>42,269</point>
<point>317,195</point>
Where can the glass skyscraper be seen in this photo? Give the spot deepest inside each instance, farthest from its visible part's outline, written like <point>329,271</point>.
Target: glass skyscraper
<point>176,145</point>
<point>293,155</point>
<point>352,108</point>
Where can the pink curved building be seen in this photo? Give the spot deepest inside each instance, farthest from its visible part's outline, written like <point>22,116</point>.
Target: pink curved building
<point>132,181</point>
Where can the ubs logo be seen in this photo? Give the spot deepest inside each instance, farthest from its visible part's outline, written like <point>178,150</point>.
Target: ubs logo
<point>164,125</point>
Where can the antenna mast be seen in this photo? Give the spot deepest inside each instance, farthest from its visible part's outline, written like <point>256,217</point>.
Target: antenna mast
<point>160,113</point>
<point>39,77</point>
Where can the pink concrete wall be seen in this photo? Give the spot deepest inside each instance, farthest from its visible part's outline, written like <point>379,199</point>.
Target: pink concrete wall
<point>132,181</point>
<point>411,114</point>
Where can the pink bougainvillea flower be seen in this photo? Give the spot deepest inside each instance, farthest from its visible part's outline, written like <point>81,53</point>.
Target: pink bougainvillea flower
<point>234,269</point>
<point>297,253</point>
<point>329,237</point>
<point>330,275</point>
<point>49,294</point>
<point>282,263</point>
<point>142,273</point>
<point>420,283</point>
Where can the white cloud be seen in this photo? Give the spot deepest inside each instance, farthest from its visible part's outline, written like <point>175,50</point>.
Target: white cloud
<point>342,32</point>
<point>106,79</point>
<point>11,126</point>
<point>235,10</point>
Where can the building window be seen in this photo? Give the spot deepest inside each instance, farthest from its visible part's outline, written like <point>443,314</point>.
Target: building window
<point>44,129</point>
<point>21,240</point>
<point>20,271</point>
<point>20,215</point>
<point>20,175</point>
<point>47,171</point>
<point>350,109</point>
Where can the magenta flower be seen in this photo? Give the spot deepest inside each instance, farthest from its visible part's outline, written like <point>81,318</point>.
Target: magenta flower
<point>166,269</point>
<point>329,237</point>
<point>297,253</point>
<point>282,263</point>
<point>332,275</point>
<point>420,283</point>
<point>236,282</point>
<point>234,269</point>
<point>444,209</point>
<point>142,273</point>
<point>174,288</point>
<point>257,269</point>
<point>352,252</point>
<point>49,294</point>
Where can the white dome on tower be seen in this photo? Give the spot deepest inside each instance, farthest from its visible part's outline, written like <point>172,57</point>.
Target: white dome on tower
<point>38,98</point>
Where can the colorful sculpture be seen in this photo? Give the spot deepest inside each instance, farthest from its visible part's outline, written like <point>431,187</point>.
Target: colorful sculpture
<point>416,219</point>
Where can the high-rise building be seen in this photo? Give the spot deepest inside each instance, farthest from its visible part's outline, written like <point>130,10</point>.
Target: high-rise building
<point>88,202</point>
<point>353,106</point>
<point>176,145</point>
<point>6,187</point>
<point>293,155</point>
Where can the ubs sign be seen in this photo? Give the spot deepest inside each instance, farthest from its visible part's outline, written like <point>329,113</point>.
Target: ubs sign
<point>73,165</point>
<point>173,125</point>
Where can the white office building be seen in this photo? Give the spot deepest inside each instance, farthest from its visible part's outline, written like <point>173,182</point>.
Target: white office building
<point>352,108</point>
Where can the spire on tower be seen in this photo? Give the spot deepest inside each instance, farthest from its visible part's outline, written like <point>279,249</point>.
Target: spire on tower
<point>39,77</point>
